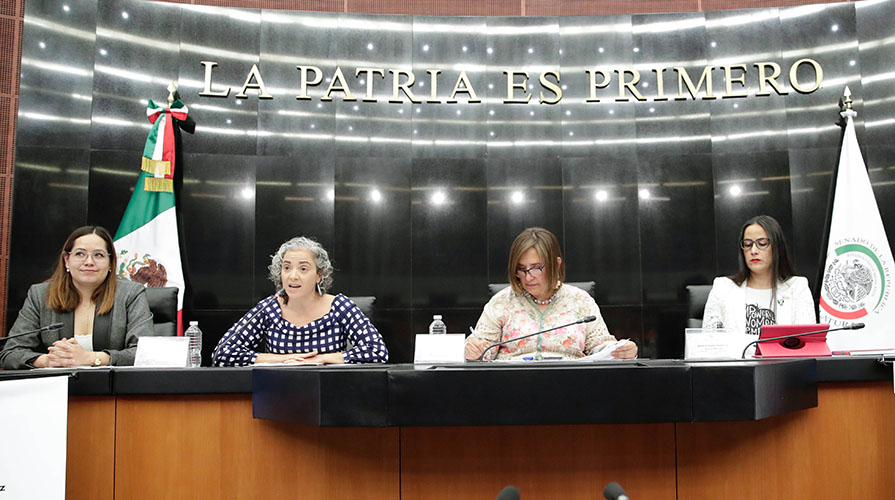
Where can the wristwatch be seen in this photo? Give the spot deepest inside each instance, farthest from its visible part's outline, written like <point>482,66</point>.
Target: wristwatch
<point>97,361</point>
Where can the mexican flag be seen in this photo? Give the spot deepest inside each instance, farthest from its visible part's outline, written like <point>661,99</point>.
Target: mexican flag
<point>858,270</point>
<point>147,239</point>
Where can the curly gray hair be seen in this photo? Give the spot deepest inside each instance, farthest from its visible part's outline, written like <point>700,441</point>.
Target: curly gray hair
<point>321,260</point>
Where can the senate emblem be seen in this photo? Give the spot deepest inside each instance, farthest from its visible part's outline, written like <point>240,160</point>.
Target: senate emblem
<point>854,282</point>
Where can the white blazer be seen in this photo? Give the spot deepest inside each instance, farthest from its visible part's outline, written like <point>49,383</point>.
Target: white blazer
<point>726,305</point>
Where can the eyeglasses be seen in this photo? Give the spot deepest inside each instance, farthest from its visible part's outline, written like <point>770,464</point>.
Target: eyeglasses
<point>534,272</point>
<point>761,243</point>
<point>79,255</point>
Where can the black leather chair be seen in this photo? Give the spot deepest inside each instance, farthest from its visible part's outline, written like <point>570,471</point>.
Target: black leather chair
<point>366,304</point>
<point>697,296</point>
<point>587,286</point>
<point>163,305</point>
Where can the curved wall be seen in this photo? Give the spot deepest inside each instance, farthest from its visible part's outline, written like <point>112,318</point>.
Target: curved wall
<point>418,203</point>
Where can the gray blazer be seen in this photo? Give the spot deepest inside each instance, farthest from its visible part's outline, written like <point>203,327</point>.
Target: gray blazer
<point>115,333</point>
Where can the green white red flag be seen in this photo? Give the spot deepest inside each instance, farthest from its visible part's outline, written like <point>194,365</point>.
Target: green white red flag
<point>858,269</point>
<point>147,239</point>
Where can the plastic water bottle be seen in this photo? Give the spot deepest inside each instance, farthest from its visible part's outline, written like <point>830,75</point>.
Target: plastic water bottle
<point>195,336</point>
<point>437,326</point>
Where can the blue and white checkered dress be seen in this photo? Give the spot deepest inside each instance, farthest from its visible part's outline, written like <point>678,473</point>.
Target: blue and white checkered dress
<point>269,332</point>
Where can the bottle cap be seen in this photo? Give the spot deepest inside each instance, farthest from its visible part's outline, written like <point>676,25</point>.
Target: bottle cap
<point>437,316</point>
<point>194,323</point>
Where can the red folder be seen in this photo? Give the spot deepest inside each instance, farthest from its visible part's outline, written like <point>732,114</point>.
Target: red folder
<point>813,345</point>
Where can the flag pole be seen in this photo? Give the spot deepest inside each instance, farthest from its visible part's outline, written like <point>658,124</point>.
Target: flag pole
<point>845,105</point>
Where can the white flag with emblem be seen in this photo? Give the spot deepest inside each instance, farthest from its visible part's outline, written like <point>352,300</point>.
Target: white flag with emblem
<point>858,269</point>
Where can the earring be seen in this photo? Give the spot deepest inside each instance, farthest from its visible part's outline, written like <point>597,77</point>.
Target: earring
<point>319,290</point>
<point>67,270</point>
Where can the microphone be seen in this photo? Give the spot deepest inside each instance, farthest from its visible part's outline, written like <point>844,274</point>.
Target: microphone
<point>586,319</point>
<point>614,491</point>
<point>853,326</point>
<point>509,493</point>
<point>54,326</point>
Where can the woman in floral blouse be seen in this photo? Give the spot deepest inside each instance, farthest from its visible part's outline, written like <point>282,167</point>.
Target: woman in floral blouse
<point>537,299</point>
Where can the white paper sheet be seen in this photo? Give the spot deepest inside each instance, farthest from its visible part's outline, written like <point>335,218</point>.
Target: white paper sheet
<point>32,461</point>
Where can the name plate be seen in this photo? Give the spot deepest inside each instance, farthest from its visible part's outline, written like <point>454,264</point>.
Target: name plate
<point>168,352</point>
<point>714,343</point>
<point>431,349</point>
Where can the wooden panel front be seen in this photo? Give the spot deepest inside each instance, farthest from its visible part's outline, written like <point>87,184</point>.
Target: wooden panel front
<point>210,447</point>
<point>90,456</point>
<point>841,449</point>
<point>545,462</point>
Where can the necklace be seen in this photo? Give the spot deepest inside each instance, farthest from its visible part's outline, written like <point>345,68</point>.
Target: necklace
<point>541,302</point>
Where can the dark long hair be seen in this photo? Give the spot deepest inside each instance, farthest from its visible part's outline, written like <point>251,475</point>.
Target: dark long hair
<point>781,265</point>
<point>63,295</point>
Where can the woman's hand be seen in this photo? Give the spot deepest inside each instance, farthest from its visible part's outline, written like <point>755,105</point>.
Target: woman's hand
<point>297,358</point>
<point>332,358</point>
<point>475,347</point>
<point>628,350</point>
<point>67,352</point>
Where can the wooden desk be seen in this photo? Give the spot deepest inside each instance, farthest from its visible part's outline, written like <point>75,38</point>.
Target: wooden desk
<point>210,447</point>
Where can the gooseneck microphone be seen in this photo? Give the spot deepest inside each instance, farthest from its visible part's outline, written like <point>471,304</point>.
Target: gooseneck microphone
<point>854,326</point>
<point>509,493</point>
<point>586,319</point>
<point>614,491</point>
<point>54,326</point>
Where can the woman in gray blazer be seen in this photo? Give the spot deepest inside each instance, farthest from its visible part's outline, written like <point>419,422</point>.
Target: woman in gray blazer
<point>102,316</point>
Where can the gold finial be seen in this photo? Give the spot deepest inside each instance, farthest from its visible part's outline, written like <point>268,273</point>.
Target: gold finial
<point>845,102</point>
<point>172,88</point>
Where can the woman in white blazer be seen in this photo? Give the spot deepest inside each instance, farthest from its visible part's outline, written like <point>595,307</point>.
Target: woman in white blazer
<point>764,291</point>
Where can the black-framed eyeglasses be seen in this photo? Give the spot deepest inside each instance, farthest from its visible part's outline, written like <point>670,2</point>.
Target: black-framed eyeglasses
<point>534,272</point>
<point>761,243</point>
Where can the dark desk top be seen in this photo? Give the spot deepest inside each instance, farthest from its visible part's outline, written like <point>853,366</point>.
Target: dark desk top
<point>639,391</point>
<point>207,380</point>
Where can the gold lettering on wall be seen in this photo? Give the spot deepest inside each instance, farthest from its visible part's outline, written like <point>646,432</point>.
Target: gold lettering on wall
<point>512,85</point>
<point>764,80</point>
<point>729,79</point>
<point>794,80</point>
<point>594,85</point>
<point>660,85</point>
<point>254,82</point>
<point>338,84</point>
<point>207,92</point>
<point>433,85</point>
<point>683,78</point>
<point>368,97</point>
<point>303,80</point>
<point>552,87</point>
<point>630,85</point>
<point>404,87</point>
<point>466,88</point>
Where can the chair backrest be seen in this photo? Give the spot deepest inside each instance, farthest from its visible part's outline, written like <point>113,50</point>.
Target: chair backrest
<point>163,305</point>
<point>697,296</point>
<point>365,303</point>
<point>587,286</point>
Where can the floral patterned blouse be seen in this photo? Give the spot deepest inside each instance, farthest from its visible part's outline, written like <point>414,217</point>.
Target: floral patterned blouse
<point>509,315</point>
